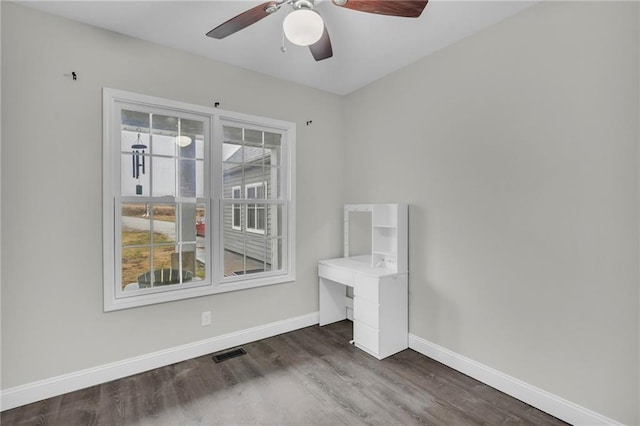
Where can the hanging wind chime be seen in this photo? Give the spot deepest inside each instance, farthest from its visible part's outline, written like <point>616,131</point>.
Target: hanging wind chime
<point>138,161</point>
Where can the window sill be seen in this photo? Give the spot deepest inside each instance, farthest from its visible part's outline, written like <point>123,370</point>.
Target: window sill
<point>240,283</point>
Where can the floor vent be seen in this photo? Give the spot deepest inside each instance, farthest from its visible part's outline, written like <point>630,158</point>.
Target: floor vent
<point>223,356</point>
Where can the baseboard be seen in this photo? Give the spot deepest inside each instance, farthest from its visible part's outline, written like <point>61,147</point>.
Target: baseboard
<point>37,391</point>
<point>538,398</point>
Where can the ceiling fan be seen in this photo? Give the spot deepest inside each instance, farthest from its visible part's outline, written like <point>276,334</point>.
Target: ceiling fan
<point>305,27</point>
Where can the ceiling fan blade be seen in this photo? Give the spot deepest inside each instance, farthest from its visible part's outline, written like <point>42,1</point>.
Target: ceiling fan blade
<point>243,20</point>
<point>322,49</point>
<point>402,8</point>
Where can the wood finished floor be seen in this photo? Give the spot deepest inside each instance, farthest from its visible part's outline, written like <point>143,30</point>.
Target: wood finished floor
<point>310,376</point>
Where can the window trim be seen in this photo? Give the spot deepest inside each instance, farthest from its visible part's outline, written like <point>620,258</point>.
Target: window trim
<point>216,282</point>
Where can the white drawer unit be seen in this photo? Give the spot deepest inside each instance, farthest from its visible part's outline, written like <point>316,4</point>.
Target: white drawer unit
<point>382,328</point>
<point>366,338</point>
<point>380,305</point>
<point>366,287</point>
<point>365,312</point>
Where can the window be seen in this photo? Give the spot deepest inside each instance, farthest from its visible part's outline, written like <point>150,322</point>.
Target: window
<point>254,163</point>
<point>196,200</point>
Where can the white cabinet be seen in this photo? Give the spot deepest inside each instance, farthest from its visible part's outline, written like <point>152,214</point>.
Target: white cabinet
<point>379,282</point>
<point>380,304</point>
<point>380,323</point>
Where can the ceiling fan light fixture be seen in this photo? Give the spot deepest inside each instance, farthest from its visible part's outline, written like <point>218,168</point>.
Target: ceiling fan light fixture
<point>183,141</point>
<point>303,27</point>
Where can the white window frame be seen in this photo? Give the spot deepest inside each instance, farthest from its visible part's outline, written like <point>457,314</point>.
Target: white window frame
<point>215,281</point>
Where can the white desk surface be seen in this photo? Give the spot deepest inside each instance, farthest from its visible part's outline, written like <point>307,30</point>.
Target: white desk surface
<point>360,264</point>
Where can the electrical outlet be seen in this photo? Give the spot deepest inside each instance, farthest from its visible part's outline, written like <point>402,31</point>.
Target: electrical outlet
<point>206,318</point>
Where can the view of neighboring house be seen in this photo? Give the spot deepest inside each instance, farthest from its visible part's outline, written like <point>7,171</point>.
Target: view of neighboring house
<point>248,174</point>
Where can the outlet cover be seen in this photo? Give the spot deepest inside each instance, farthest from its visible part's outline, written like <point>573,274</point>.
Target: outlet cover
<point>206,318</point>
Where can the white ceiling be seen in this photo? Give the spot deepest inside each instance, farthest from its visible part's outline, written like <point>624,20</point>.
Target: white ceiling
<point>366,46</point>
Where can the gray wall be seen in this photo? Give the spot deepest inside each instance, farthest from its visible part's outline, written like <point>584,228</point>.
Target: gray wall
<point>517,150</point>
<point>52,319</point>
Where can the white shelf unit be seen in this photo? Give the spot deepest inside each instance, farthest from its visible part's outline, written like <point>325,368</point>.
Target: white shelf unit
<point>389,235</point>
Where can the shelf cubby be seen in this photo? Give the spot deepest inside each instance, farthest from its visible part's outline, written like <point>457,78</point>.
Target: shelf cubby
<point>389,234</point>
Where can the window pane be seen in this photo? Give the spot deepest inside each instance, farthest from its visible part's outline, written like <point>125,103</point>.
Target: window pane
<point>234,257</point>
<point>134,128</point>
<point>164,176</point>
<point>274,220</point>
<point>199,179</point>
<point>251,216</point>
<point>253,155</point>
<point>261,217</point>
<point>134,175</point>
<point>200,221</point>
<point>164,223</point>
<point>252,175</point>
<point>185,146</point>
<point>256,253</point>
<point>201,247</point>
<point>189,180</point>
<point>135,261</point>
<point>272,151</point>
<point>272,178</point>
<point>165,132</point>
<point>193,229</point>
<point>232,216</point>
<point>253,137</point>
<point>272,161</point>
<point>233,176</point>
<point>163,145</point>
<point>232,153</point>
<point>237,222</point>
<point>192,262</point>
<point>251,192</point>
<point>231,147</point>
<point>272,139</point>
<point>136,228</point>
<point>134,139</point>
<point>243,256</point>
<point>189,258</point>
<point>201,271</point>
<point>191,131</point>
<point>232,133</point>
<point>234,263</point>
<point>187,226</point>
<point>200,148</point>
<point>164,274</point>
<point>275,247</point>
